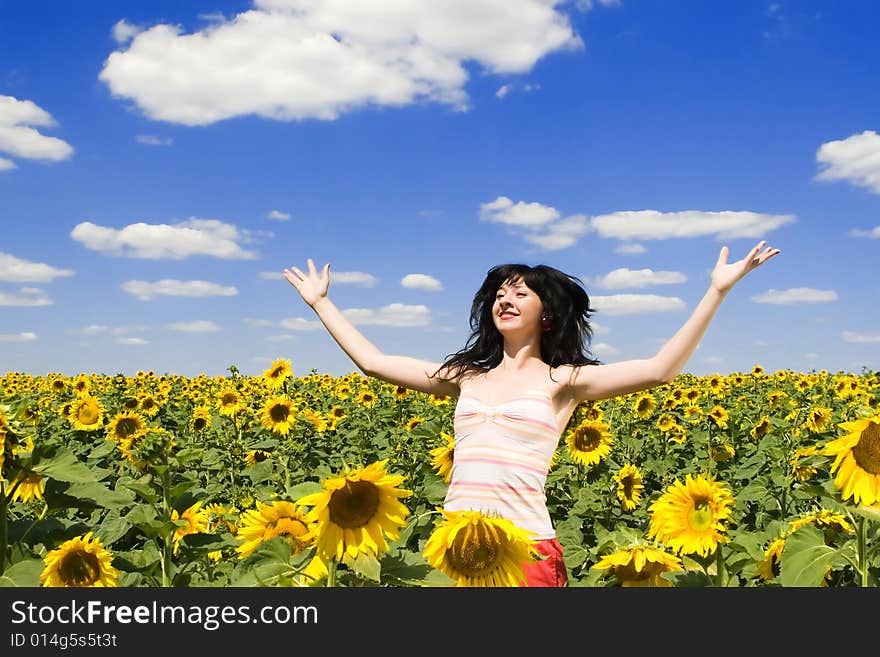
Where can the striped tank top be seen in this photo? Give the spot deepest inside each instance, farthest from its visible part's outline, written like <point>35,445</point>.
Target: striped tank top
<point>501,457</point>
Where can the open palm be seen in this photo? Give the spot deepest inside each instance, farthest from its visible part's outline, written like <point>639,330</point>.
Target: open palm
<point>312,287</point>
<point>725,275</point>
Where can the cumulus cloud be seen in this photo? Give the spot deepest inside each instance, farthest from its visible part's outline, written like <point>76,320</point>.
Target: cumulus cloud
<point>18,270</point>
<point>278,215</point>
<point>795,295</point>
<point>26,296</point>
<point>421,282</point>
<point>623,278</point>
<point>154,140</point>
<point>25,336</point>
<point>860,338</point>
<point>159,241</point>
<point>538,224</point>
<point>311,59</point>
<point>131,341</point>
<point>258,323</point>
<point>145,291</point>
<point>300,324</point>
<point>635,304</point>
<point>855,159</point>
<point>353,278</point>
<point>630,248</point>
<point>394,314</point>
<point>123,31</point>
<point>873,234</point>
<point>197,326</point>
<point>654,225</point>
<point>19,139</point>
<point>91,329</point>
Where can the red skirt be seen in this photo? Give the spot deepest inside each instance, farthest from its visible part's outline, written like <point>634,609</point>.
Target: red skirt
<point>550,571</point>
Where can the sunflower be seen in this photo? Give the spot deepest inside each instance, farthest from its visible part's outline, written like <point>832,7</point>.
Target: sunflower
<point>857,460</point>
<point>400,392</point>
<point>81,384</point>
<point>676,434</point>
<point>87,413</point>
<point>762,427</point>
<point>29,488</point>
<point>691,516</point>
<point>124,425</point>
<point>629,486</point>
<point>645,405</point>
<point>148,405</point>
<point>147,447</point>
<point>366,398</point>
<point>818,419</point>
<point>196,522</point>
<point>775,398</point>
<point>589,442</point>
<point>357,511</point>
<point>477,550</point>
<point>277,374</point>
<point>201,418</point>
<point>803,471</point>
<point>665,422</point>
<point>719,416</point>
<point>640,566</point>
<point>414,422</point>
<point>278,518</point>
<point>278,415</point>
<point>720,452</point>
<point>442,457</point>
<point>693,413</point>
<point>824,519</point>
<point>255,456</point>
<point>768,569</point>
<point>318,421</point>
<point>229,402</point>
<point>79,562</point>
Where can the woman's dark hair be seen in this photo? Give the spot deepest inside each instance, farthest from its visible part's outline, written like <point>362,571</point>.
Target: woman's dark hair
<point>563,297</point>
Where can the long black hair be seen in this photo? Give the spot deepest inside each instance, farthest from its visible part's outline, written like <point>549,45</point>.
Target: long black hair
<point>563,297</point>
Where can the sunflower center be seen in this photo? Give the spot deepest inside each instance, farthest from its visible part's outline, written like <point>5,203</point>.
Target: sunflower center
<point>279,412</point>
<point>474,553</point>
<point>87,414</point>
<point>228,399</point>
<point>79,568</point>
<point>200,423</point>
<point>587,439</point>
<point>354,505</point>
<point>700,517</point>
<point>867,451</point>
<point>126,427</point>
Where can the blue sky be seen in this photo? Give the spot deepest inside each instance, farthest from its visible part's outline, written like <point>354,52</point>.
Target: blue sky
<point>162,162</point>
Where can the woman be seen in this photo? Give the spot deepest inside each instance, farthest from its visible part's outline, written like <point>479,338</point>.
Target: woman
<point>519,378</point>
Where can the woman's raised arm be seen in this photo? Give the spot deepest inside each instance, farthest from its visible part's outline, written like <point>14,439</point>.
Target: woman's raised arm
<point>411,373</point>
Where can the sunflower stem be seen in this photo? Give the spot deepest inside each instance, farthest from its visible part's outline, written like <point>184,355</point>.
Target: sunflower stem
<point>720,568</point>
<point>166,547</point>
<point>331,573</point>
<point>3,536</point>
<point>862,549</point>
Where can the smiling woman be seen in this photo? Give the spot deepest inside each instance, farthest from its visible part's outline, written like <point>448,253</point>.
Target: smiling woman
<point>519,378</point>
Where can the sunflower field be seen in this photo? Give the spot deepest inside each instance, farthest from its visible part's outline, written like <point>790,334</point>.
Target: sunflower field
<point>743,480</point>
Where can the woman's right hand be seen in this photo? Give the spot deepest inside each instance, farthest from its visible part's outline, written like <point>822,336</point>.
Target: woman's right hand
<point>312,287</point>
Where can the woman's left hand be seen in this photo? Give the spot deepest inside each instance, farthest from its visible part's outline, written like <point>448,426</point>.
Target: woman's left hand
<point>725,275</point>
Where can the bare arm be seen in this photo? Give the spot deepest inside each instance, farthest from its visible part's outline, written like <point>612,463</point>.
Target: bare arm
<point>411,373</point>
<point>603,381</point>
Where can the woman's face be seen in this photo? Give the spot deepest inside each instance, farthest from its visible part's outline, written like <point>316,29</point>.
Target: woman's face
<point>517,308</point>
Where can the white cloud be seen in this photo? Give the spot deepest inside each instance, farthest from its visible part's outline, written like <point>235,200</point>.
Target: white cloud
<point>795,295</point>
<point>353,277</point>
<point>153,140</point>
<point>421,282</point>
<point>630,248</point>
<point>855,159</point>
<point>271,276</point>
<point>300,324</point>
<point>603,350</point>
<point>860,338</point>
<point>278,215</point>
<point>145,291</point>
<point>504,211</point>
<point>155,241</point>
<point>198,326</point>
<point>279,338</point>
<point>91,329</point>
<point>131,341</point>
<point>18,270</point>
<point>300,59</point>
<point>623,278</point>
<point>258,323</point>
<point>634,304</point>
<point>27,296</point>
<point>123,31</point>
<point>394,314</point>
<point>26,336</point>
<point>873,234</point>
<point>654,225</point>
<point>19,139</point>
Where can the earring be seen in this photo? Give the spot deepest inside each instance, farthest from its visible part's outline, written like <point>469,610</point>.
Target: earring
<point>546,322</point>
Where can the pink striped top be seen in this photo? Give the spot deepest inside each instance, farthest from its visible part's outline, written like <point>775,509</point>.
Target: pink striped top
<point>501,457</point>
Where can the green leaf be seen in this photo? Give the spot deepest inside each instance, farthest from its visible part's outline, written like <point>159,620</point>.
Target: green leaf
<point>64,466</point>
<point>806,558</point>
<point>366,566</point>
<point>23,574</point>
